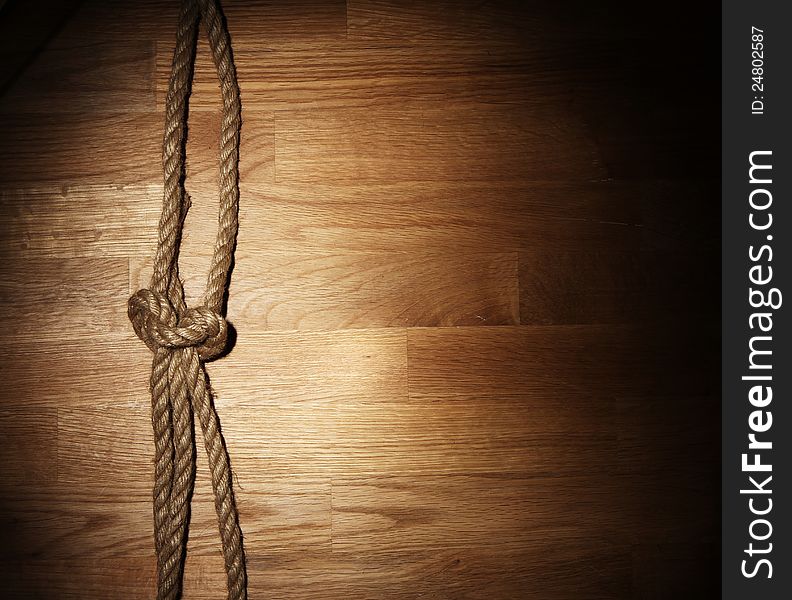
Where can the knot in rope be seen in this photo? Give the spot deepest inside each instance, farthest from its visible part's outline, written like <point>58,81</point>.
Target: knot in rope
<point>181,338</point>
<point>155,322</point>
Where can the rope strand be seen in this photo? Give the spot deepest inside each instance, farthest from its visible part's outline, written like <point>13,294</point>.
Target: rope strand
<point>182,338</point>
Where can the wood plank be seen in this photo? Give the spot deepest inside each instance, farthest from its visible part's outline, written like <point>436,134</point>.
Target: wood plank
<point>81,221</point>
<point>85,76</point>
<point>330,403</point>
<point>554,571</point>
<point>331,438</point>
<point>311,74</point>
<point>559,288</point>
<point>278,24</point>
<point>539,218</point>
<point>461,437</point>
<point>412,513</point>
<point>465,364</point>
<point>118,149</point>
<point>419,143</point>
<point>29,452</point>
<point>392,513</point>
<point>79,578</point>
<point>281,410</point>
<point>114,521</point>
<point>103,371</point>
<point>295,367</point>
<point>79,148</point>
<point>38,296</point>
<point>593,571</point>
<point>342,291</point>
<point>328,218</point>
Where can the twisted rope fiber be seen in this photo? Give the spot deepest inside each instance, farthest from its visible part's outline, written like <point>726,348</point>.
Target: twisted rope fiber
<point>182,338</point>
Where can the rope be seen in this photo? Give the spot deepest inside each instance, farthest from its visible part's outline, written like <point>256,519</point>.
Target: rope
<point>182,338</point>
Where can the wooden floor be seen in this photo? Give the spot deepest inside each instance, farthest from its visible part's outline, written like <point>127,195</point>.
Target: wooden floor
<point>475,294</point>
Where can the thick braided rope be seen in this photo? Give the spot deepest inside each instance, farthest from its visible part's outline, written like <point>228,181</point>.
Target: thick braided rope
<point>183,338</point>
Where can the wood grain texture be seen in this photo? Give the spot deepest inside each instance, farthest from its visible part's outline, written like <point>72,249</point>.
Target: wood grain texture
<point>343,291</point>
<point>111,151</point>
<point>612,287</point>
<point>474,298</point>
<point>73,75</point>
<point>475,144</point>
<point>417,217</point>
